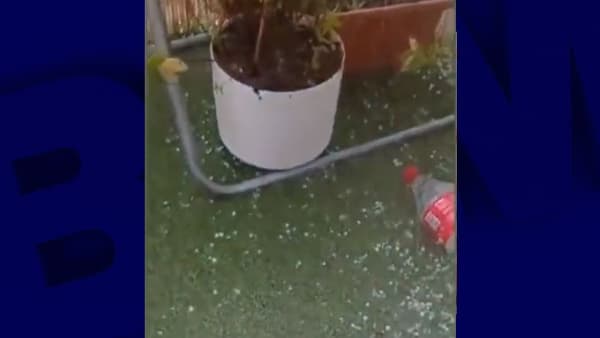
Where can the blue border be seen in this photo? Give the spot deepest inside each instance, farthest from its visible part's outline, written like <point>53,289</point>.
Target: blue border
<point>72,99</point>
<point>528,186</point>
<point>528,168</point>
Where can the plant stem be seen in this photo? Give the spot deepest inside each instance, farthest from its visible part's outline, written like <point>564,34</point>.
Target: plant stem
<point>261,29</point>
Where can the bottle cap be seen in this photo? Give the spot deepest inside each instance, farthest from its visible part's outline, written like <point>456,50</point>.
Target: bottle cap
<point>410,174</point>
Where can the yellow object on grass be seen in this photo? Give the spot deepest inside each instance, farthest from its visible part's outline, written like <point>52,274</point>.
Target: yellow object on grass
<point>169,68</point>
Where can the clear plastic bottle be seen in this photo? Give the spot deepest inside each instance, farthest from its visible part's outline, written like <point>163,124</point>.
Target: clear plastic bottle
<point>435,202</point>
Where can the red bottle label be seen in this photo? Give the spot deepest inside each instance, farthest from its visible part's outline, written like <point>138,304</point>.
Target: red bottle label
<point>438,217</point>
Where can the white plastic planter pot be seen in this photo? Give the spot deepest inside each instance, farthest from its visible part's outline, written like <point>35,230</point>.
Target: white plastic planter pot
<point>275,130</point>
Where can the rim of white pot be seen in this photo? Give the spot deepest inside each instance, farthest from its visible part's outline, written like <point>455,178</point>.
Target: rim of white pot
<point>336,37</point>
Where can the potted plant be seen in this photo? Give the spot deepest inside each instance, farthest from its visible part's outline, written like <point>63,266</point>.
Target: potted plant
<point>376,32</point>
<point>277,69</point>
<point>438,54</point>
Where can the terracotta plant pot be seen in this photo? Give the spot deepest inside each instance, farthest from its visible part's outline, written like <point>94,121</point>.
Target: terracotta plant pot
<point>376,38</point>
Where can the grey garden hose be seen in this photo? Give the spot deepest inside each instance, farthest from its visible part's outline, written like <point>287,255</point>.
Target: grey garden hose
<point>191,152</point>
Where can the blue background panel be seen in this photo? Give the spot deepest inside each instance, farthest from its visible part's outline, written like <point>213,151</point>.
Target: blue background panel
<point>528,154</point>
<point>71,159</point>
<point>76,249</point>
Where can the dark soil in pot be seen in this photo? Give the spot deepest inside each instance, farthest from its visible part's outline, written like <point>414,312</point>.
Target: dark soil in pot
<point>287,60</point>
